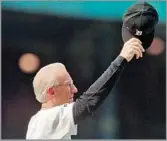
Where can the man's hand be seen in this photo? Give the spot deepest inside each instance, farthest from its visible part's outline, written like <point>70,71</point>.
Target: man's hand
<point>132,47</point>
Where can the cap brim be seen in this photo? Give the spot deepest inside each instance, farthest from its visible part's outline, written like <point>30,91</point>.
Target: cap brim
<point>146,39</point>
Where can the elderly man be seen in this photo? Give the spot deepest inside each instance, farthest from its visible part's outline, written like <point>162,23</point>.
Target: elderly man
<point>54,89</point>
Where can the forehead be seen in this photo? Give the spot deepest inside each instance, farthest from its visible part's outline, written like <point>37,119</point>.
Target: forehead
<point>68,79</point>
<point>65,78</point>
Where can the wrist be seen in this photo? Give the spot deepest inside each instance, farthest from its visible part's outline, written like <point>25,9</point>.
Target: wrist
<point>120,61</point>
<point>125,58</point>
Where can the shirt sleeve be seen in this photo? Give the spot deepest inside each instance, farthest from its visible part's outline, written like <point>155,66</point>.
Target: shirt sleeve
<point>87,103</point>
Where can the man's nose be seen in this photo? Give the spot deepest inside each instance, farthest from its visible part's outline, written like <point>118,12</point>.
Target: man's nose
<point>74,89</point>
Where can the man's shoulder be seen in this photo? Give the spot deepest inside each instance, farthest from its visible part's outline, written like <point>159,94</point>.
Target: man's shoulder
<point>63,109</point>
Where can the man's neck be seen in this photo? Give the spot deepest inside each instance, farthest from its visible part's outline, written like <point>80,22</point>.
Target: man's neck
<point>49,104</point>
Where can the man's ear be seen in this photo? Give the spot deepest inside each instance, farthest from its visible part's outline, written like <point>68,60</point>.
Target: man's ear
<point>50,91</point>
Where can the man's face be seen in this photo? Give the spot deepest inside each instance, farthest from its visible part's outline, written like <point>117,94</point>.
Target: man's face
<point>66,89</point>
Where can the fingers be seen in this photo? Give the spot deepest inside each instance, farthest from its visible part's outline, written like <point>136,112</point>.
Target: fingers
<point>142,49</point>
<point>138,45</point>
<point>137,51</point>
<point>134,40</point>
<point>131,48</point>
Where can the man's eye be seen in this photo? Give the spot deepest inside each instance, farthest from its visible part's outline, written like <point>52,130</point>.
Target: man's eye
<point>71,85</point>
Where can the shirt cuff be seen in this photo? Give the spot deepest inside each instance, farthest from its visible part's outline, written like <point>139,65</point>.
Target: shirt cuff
<point>120,62</point>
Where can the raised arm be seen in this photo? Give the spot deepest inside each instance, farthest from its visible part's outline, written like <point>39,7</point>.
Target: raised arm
<point>100,89</point>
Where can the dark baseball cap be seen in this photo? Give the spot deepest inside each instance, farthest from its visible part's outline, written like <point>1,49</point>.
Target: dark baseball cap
<point>139,21</point>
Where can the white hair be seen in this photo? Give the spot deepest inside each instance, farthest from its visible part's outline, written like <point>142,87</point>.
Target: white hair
<point>44,79</point>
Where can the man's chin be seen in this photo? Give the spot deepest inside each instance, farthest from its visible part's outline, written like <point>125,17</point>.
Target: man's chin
<point>71,100</point>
